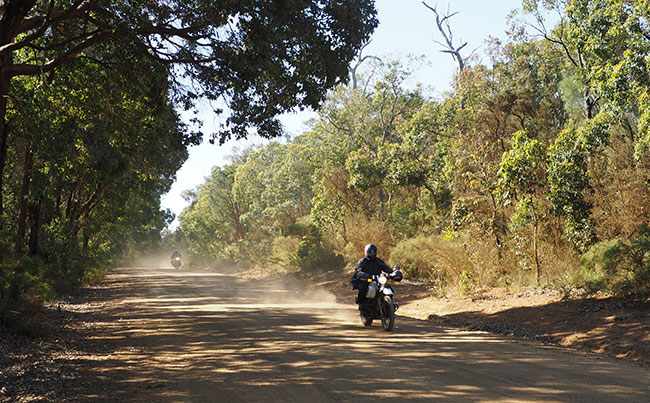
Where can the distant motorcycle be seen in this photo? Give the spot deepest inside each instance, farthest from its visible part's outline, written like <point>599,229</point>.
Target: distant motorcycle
<point>379,302</point>
<point>176,262</point>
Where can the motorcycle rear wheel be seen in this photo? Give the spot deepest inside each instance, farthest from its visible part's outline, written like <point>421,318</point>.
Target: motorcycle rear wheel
<point>387,311</point>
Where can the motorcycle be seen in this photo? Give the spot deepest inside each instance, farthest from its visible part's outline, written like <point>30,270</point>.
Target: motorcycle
<point>379,302</point>
<point>176,262</point>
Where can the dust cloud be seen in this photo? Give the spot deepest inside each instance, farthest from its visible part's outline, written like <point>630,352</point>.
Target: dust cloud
<point>229,289</point>
<point>158,260</point>
<point>303,296</point>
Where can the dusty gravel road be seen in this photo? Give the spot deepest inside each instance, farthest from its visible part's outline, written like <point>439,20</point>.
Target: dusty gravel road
<point>199,336</point>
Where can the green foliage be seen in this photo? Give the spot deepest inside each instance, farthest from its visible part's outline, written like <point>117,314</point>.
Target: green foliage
<point>27,281</point>
<point>90,164</point>
<point>313,254</point>
<point>521,169</point>
<point>301,227</point>
<point>350,254</point>
<point>303,49</point>
<point>567,182</point>
<point>617,267</point>
<point>416,257</point>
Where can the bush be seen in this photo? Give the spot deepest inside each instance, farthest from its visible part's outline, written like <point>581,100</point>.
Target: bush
<point>283,252</point>
<point>24,282</point>
<point>432,258</point>
<point>617,267</point>
<point>416,257</point>
<point>313,254</point>
<point>350,254</point>
<point>300,227</point>
<point>63,252</point>
<point>362,231</point>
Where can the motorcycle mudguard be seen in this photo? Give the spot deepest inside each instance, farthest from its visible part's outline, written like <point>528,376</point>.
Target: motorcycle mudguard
<point>387,291</point>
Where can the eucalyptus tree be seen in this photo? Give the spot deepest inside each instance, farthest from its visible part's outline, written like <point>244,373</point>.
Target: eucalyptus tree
<point>212,226</point>
<point>522,182</point>
<point>606,42</point>
<point>92,162</point>
<point>519,92</point>
<point>614,36</point>
<point>355,127</point>
<point>276,182</point>
<point>262,58</point>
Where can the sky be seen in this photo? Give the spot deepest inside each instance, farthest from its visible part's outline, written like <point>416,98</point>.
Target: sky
<point>406,27</point>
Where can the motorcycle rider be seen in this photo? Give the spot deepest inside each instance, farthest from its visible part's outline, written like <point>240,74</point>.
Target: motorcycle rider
<point>176,254</point>
<point>367,267</point>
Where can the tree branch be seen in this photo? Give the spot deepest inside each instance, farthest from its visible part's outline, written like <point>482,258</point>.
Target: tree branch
<point>442,22</point>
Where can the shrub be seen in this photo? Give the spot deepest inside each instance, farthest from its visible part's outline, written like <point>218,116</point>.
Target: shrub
<point>300,227</point>
<point>283,252</point>
<point>432,258</point>
<point>314,254</point>
<point>24,282</point>
<point>350,254</point>
<point>62,250</point>
<point>416,257</point>
<point>363,230</point>
<point>618,267</point>
<point>467,284</point>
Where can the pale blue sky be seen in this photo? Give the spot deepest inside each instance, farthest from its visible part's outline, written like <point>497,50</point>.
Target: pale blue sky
<point>405,27</point>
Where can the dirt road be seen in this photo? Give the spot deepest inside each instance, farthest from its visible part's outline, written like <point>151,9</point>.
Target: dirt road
<point>199,336</point>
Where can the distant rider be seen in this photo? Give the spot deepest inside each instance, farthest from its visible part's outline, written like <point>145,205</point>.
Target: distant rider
<point>366,268</point>
<point>176,254</point>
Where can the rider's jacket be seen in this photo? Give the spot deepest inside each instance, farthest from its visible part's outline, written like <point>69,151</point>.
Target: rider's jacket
<point>371,266</point>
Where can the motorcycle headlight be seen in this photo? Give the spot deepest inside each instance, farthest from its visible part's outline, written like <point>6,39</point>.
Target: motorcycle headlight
<point>383,280</point>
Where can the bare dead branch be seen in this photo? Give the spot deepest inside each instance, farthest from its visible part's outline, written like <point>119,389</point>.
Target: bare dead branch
<point>360,60</point>
<point>442,23</point>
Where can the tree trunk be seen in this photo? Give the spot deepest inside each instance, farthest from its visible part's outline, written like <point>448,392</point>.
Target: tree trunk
<point>34,226</point>
<point>12,14</point>
<point>24,199</point>
<point>535,243</point>
<point>4,134</point>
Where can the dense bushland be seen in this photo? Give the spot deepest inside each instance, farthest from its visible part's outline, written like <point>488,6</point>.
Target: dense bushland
<point>532,170</point>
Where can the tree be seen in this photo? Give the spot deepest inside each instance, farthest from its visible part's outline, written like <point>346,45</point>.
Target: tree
<point>276,182</point>
<point>351,137</point>
<point>522,179</point>
<point>520,92</point>
<point>213,220</point>
<point>83,145</point>
<point>562,37</point>
<point>263,58</point>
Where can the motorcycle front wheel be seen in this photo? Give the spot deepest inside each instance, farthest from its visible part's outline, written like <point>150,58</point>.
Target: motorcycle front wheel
<point>387,311</point>
<point>366,319</point>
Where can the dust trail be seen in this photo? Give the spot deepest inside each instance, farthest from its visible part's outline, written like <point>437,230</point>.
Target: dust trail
<point>303,296</point>
<point>241,293</point>
<point>154,260</point>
